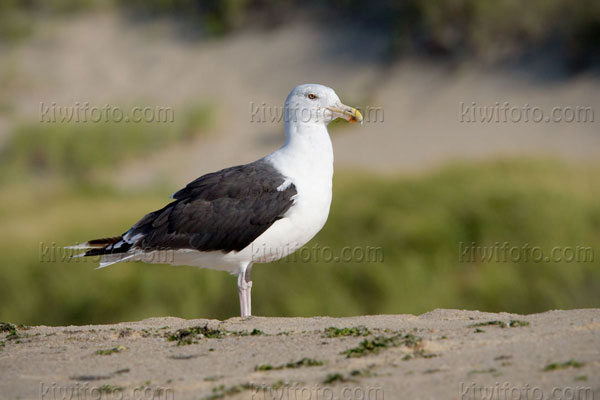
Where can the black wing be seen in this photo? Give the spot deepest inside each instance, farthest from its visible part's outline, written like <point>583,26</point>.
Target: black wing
<point>224,210</point>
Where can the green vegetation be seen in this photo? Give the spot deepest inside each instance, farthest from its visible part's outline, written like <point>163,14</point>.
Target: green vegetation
<point>419,222</point>
<point>107,388</point>
<point>334,378</point>
<point>492,371</point>
<point>563,365</point>
<point>7,327</point>
<point>304,362</point>
<point>379,343</point>
<point>265,367</point>
<point>367,373</point>
<point>108,352</point>
<point>13,334</point>
<point>76,150</point>
<point>513,323</point>
<point>332,332</point>
<point>222,391</point>
<point>191,335</point>
<point>253,332</point>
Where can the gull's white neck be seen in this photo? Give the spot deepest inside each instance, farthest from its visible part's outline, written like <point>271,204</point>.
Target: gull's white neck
<point>306,160</point>
<point>307,152</point>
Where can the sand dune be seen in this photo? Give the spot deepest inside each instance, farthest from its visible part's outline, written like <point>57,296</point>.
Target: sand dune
<point>444,354</point>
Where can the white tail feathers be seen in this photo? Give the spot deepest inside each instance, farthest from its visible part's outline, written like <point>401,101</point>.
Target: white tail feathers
<point>80,246</point>
<point>113,259</point>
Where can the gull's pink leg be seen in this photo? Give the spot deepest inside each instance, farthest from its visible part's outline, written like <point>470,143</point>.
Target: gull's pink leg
<point>248,298</point>
<point>248,289</point>
<point>244,291</point>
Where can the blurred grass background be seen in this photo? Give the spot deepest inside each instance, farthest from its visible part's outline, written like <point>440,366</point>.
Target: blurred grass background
<point>55,190</point>
<point>417,221</point>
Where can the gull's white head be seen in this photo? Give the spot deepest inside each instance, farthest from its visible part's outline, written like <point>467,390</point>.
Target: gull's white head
<point>314,103</point>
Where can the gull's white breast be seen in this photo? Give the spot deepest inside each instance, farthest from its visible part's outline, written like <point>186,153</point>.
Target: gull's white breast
<point>307,162</point>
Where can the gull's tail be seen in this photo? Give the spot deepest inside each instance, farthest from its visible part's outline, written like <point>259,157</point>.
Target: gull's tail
<point>112,250</point>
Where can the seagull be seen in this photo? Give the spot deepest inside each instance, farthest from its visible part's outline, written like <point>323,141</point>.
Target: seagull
<point>254,213</point>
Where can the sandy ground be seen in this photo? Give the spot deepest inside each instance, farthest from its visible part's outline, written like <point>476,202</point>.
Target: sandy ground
<point>444,354</point>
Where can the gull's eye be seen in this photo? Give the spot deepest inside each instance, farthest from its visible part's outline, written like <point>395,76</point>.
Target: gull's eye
<point>312,96</point>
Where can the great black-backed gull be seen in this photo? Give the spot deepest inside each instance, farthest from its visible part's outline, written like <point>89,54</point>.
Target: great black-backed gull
<point>254,213</point>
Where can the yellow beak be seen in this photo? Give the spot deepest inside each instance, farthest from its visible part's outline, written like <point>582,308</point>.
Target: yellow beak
<point>350,114</point>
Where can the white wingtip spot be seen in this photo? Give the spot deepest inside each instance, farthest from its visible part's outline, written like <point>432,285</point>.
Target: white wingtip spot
<point>286,184</point>
<point>129,239</point>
